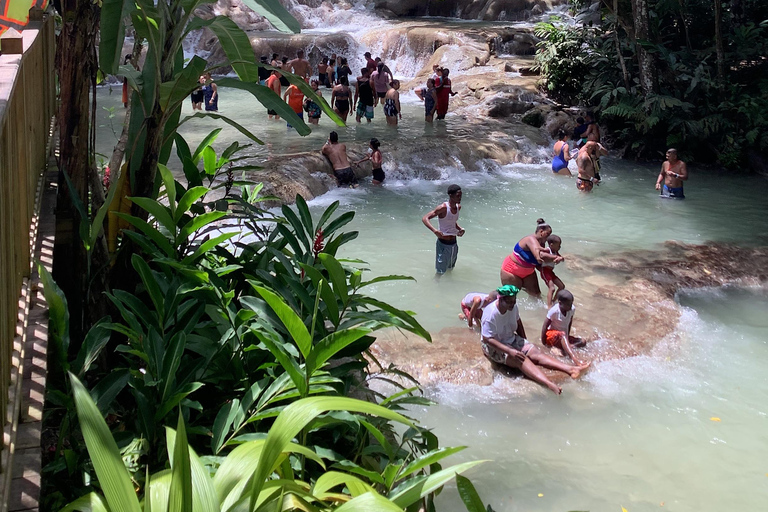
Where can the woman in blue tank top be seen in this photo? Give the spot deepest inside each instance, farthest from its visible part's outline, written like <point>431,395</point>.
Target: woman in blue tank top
<point>562,155</point>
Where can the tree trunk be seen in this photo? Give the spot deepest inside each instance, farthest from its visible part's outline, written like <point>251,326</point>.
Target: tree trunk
<point>645,64</point>
<point>719,43</point>
<point>75,49</point>
<point>624,72</point>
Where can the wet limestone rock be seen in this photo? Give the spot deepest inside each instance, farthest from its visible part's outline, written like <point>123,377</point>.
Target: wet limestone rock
<point>489,10</point>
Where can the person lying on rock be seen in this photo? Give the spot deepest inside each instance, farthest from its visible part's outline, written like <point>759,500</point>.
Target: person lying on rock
<point>503,341</point>
<point>556,331</point>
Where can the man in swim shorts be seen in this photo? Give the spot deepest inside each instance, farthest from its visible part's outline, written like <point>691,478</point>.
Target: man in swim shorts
<point>673,173</point>
<point>364,96</point>
<point>300,65</point>
<point>503,341</point>
<point>337,154</point>
<point>447,250</point>
<point>585,161</point>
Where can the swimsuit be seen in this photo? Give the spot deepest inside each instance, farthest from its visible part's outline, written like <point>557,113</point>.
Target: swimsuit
<point>429,101</point>
<point>672,192</point>
<point>378,174</point>
<point>547,269</point>
<point>522,265</point>
<point>345,176</point>
<point>584,185</point>
<point>553,338</point>
<point>559,163</point>
<point>313,110</point>
<point>208,94</point>
<point>389,108</point>
<point>197,96</point>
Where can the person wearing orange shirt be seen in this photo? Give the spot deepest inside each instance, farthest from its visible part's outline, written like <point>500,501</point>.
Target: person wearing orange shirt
<point>295,99</point>
<point>273,82</point>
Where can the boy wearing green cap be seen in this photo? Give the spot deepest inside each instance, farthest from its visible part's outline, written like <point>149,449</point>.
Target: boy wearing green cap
<point>504,342</point>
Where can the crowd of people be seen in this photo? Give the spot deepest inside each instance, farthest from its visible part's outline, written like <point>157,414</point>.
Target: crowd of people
<point>503,334</point>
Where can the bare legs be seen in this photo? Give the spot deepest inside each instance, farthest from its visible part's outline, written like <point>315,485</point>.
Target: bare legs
<point>535,358</point>
<point>529,283</point>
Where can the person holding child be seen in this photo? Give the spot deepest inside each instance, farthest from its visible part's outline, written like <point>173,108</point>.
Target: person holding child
<point>547,269</point>
<point>556,330</point>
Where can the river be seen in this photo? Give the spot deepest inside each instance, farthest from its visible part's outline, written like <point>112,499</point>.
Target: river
<point>682,427</point>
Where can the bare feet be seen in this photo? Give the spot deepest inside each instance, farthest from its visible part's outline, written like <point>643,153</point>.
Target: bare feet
<point>555,388</point>
<point>576,373</point>
<point>462,317</point>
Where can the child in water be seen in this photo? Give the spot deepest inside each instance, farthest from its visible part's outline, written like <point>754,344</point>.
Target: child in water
<point>556,331</point>
<point>473,303</point>
<point>547,270</point>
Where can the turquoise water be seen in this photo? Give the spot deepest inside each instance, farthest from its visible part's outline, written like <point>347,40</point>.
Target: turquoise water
<point>635,432</point>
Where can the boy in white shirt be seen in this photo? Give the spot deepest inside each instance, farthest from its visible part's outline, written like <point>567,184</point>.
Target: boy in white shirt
<point>556,331</point>
<point>504,342</point>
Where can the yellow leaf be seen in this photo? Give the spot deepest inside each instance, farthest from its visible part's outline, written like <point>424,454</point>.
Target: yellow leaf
<point>715,418</point>
<point>623,509</point>
<point>541,495</point>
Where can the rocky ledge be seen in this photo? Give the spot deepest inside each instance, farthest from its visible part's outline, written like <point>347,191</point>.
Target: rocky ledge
<point>625,307</point>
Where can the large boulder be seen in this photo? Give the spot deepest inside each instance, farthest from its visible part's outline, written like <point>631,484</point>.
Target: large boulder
<point>490,10</point>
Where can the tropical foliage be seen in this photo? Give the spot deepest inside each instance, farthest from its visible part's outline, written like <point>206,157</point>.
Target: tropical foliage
<point>238,314</point>
<point>686,74</point>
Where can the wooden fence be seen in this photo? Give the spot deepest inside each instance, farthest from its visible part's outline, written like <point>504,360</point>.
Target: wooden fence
<point>27,104</point>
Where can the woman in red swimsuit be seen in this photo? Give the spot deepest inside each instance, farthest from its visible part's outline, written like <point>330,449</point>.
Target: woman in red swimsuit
<point>519,268</point>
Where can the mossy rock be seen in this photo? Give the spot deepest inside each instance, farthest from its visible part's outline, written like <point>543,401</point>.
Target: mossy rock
<point>533,117</point>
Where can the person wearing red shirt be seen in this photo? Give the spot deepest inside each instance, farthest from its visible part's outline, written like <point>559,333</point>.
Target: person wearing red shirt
<point>273,82</point>
<point>295,99</point>
<point>444,92</point>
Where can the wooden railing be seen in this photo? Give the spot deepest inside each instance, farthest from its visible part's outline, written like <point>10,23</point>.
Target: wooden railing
<point>27,104</point>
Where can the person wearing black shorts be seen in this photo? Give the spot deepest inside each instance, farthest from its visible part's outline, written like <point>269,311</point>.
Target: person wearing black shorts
<point>374,155</point>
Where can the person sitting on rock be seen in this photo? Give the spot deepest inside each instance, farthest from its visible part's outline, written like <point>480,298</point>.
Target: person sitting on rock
<point>472,306</point>
<point>503,342</point>
<point>556,331</point>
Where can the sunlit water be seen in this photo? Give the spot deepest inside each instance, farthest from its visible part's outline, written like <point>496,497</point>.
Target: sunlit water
<point>636,433</point>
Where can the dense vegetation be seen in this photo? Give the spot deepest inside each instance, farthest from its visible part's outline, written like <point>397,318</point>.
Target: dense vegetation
<point>690,73</point>
<point>242,323</point>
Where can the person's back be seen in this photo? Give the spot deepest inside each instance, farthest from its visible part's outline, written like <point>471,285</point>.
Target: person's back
<point>337,154</point>
<point>295,99</point>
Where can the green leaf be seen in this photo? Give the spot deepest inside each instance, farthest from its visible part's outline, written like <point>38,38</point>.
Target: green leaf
<point>98,220</point>
<point>428,459</point>
<point>209,161</point>
<point>469,495</point>
<point>180,499</point>
<point>382,279</point>
<point>369,502</point>
<point>235,44</point>
<point>337,275</point>
<point>173,92</point>
<point>94,342</point>
<point>170,187</point>
<point>58,316</point>
<point>188,199</point>
<point>327,214</point>
<point>331,479</point>
<point>296,417</point>
<point>150,284</point>
<point>276,14</point>
<point>269,99</point>
<point>293,323</point>
<point>329,346</point>
<point>306,217</point>
<point>288,363</point>
<point>105,392</point>
<point>160,212</point>
<point>227,120</point>
<point>199,222</point>
<point>107,462</point>
<point>112,33</point>
<point>153,234</point>
<point>207,141</point>
<point>416,488</point>
<point>91,502</point>
<point>207,246</point>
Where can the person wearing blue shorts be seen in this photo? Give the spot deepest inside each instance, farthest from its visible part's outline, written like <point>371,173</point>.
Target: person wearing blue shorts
<point>673,173</point>
<point>448,229</point>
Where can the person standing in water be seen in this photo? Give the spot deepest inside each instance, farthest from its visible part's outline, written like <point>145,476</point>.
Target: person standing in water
<point>313,109</point>
<point>562,155</point>
<point>504,342</point>
<point>376,158</point>
<point>211,94</point>
<point>337,154</point>
<point>364,96</point>
<point>197,95</point>
<point>300,66</point>
<point>342,70</point>
<point>444,92</point>
<point>673,173</point>
<point>340,99</point>
<point>273,82</point>
<point>322,72</point>
<point>588,154</point>
<point>380,80</point>
<point>295,99</point>
<point>392,103</point>
<point>519,268</point>
<point>369,62</point>
<point>547,270</point>
<point>448,229</point>
<point>428,95</point>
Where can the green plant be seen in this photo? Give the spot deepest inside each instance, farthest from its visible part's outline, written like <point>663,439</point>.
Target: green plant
<point>259,475</point>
